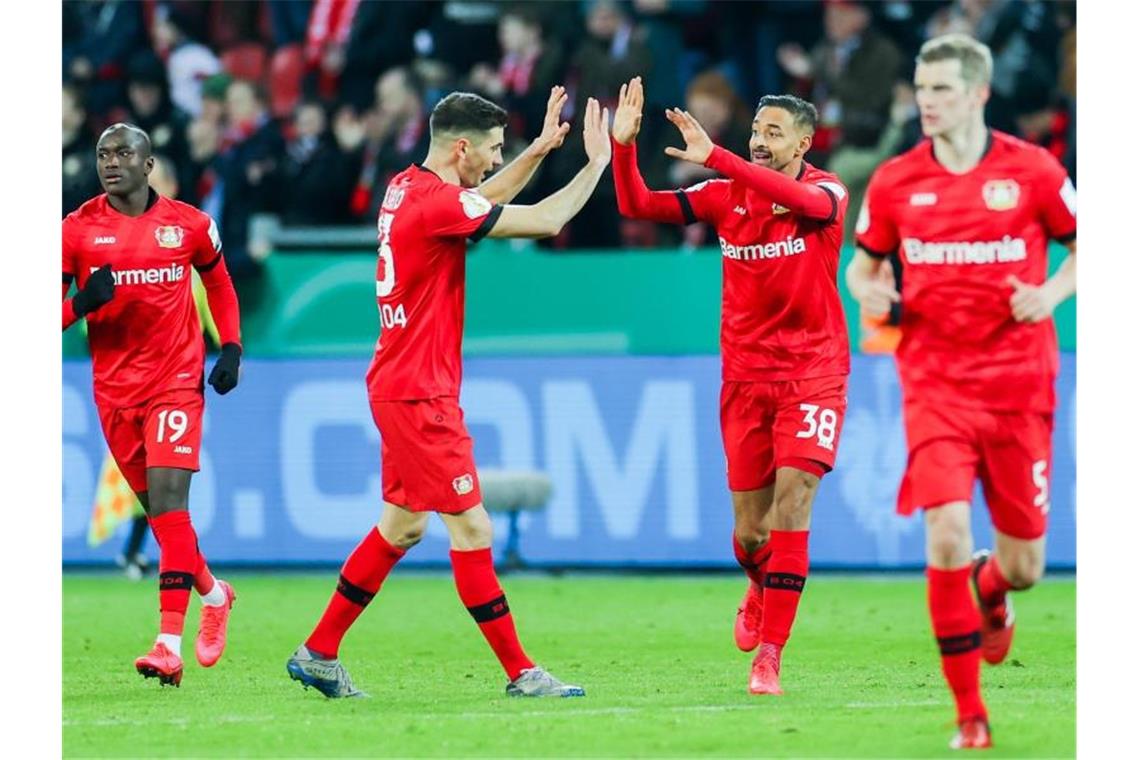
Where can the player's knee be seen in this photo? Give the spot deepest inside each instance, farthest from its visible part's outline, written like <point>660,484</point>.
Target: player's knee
<point>408,537</point>
<point>1025,569</point>
<point>750,536</point>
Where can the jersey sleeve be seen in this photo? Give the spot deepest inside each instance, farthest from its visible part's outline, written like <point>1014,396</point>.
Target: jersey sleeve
<point>839,199</point>
<point>459,212</point>
<point>875,230</point>
<point>70,250</point>
<point>1057,201</point>
<point>207,244</point>
<point>704,201</point>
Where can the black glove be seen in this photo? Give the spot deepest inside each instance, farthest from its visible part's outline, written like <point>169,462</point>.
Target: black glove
<point>100,289</point>
<point>224,375</point>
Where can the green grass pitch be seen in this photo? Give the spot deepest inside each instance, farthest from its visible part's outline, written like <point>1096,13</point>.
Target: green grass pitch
<point>663,678</point>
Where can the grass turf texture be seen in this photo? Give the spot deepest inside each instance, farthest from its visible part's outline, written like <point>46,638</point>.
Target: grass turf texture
<point>663,678</point>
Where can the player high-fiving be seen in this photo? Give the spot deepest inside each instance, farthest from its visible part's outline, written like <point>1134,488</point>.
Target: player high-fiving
<point>783,338</point>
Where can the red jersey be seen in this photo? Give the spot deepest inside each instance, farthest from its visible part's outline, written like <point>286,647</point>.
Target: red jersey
<point>148,338</point>
<point>959,238</point>
<point>424,226</point>
<point>781,315</point>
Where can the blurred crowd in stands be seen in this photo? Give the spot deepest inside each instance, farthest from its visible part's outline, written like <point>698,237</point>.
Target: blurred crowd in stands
<point>305,108</point>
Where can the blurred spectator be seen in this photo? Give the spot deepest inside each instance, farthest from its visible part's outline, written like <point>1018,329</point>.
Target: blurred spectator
<point>80,178</point>
<point>728,121</point>
<point>203,141</point>
<point>188,62</point>
<point>289,20</point>
<point>529,67</point>
<point>164,177</point>
<point>99,36</point>
<point>246,165</point>
<point>349,43</point>
<point>462,33</point>
<point>853,71</point>
<point>610,55</point>
<point>854,165</point>
<point>150,108</point>
<point>393,135</point>
<point>664,24</point>
<point>316,179</point>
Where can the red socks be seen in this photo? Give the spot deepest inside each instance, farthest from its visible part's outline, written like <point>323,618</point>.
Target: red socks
<point>783,583</point>
<point>992,585</point>
<point>360,579</point>
<point>178,559</point>
<point>481,594</point>
<point>754,564</point>
<point>957,627</point>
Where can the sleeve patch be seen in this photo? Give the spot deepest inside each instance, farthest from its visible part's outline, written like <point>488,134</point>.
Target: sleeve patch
<point>836,189</point>
<point>215,238</point>
<point>474,204</point>
<point>1069,196</point>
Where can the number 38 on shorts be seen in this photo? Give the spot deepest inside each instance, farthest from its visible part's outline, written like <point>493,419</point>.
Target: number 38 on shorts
<point>767,425</point>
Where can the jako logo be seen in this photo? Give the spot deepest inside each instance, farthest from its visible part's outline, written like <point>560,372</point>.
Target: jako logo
<point>156,276</point>
<point>105,240</point>
<point>787,247</point>
<point>993,252</point>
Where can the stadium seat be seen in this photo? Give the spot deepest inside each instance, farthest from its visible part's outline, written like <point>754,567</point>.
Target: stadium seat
<point>245,61</point>
<point>286,70</point>
<point>512,492</point>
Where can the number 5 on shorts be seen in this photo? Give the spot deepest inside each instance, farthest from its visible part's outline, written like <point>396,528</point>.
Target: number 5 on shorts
<point>1041,481</point>
<point>176,419</point>
<point>820,425</point>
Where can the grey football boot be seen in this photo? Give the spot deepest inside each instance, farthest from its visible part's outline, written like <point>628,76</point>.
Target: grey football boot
<point>536,682</point>
<point>326,676</point>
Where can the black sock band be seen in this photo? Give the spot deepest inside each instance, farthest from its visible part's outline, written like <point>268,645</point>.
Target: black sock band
<point>967,642</point>
<point>352,592</point>
<point>492,610</point>
<point>785,581</point>
<point>175,581</point>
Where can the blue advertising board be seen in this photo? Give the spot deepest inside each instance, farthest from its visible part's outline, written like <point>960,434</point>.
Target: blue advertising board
<point>290,464</point>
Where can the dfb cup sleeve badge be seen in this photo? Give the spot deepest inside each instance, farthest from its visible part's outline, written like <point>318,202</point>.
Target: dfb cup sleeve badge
<point>1001,194</point>
<point>169,236</point>
<point>463,485</point>
<point>474,204</point>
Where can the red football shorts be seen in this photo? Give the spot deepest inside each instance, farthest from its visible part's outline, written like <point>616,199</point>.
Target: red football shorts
<point>163,432</point>
<point>949,447</point>
<point>427,462</point>
<point>792,423</point>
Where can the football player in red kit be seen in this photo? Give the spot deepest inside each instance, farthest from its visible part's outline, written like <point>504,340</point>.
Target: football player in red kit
<point>129,251</point>
<point>970,212</point>
<point>783,338</point>
<point>429,214</point>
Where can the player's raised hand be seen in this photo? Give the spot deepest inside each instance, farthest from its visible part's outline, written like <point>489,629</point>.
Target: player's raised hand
<point>1029,303</point>
<point>698,144</point>
<point>595,132</point>
<point>627,117</point>
<point>98,290</point>
<point>553,128</point>
<point>224,375</point>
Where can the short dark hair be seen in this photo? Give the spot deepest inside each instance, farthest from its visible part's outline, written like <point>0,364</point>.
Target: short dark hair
<point>466,112</point>
<point>138,135</point>
<point>803,113</point>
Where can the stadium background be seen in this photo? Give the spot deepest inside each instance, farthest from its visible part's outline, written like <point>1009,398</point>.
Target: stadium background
<point>591,356</point>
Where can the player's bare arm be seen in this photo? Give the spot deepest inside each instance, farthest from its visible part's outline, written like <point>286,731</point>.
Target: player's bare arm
<point>512,178</point>
<point>547,217</point>
<point>874,292</point>
<point>1034,303</point>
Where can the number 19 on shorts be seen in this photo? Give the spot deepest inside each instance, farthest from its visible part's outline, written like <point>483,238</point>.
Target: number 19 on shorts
<point>819,424</point>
